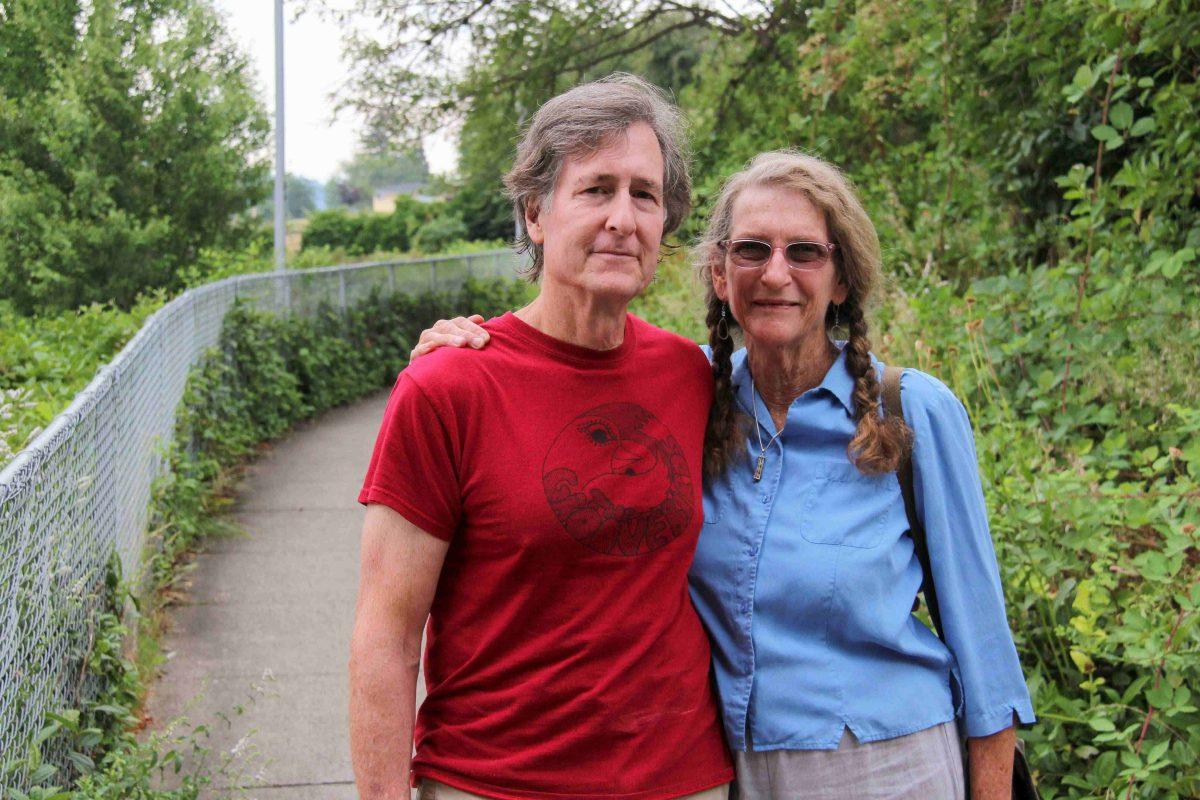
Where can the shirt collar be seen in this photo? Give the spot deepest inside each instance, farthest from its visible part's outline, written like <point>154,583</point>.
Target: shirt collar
<point>838,381</point>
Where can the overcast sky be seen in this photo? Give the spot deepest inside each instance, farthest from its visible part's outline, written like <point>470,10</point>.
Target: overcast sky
<point>314,144</point>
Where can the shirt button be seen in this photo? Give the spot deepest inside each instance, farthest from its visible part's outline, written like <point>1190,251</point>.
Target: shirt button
<point>766,499</point>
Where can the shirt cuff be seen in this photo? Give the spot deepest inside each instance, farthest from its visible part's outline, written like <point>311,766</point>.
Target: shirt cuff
<point>994,720</point>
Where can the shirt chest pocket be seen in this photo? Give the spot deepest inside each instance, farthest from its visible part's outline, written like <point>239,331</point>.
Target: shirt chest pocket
<point>845,507</point>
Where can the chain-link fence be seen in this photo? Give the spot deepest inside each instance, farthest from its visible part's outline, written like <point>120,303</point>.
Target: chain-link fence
<point>81,491</point>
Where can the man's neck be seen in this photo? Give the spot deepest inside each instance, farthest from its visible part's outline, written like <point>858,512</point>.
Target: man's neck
<point>577,318</point>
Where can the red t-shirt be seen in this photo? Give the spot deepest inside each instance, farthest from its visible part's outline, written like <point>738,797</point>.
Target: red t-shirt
<point>563,656</point>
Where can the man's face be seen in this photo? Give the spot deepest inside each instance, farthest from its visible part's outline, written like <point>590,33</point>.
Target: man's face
<point>604,225</point>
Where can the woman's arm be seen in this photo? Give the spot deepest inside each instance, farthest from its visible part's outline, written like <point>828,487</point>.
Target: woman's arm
<point>991,762</point>
<point>457,332</point>
<point>950,503</point>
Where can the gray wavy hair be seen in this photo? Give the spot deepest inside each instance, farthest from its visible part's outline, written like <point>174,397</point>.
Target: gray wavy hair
<point>582,120</point>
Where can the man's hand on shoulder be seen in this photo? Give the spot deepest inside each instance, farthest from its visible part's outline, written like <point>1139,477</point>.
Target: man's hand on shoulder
<point>457,332</point>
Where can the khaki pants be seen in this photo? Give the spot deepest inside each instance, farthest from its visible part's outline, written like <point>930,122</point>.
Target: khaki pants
<point>432,790</point>
<point>926,765</point>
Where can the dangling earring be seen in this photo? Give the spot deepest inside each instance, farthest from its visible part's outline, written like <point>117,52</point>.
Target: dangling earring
<point>723,324</point>
<point>837,315</point>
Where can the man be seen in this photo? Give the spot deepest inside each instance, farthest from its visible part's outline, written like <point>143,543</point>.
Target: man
<point>539,503</point>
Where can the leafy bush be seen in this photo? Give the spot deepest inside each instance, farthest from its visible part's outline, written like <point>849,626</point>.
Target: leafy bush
<point>429,227</point>
<point>333,228</point>
<point>359,233</point>
<point>266,374</point>
<point>45,361</point>
<point>1092,485</point>
<point>439,233</point>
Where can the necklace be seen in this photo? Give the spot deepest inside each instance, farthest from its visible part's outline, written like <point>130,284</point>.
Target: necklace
<point>762,448</point>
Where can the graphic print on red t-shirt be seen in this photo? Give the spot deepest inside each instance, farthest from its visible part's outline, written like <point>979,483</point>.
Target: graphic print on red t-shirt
<point>618,481</point>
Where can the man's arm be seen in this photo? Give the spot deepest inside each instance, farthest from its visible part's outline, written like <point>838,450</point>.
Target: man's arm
<point>400,565</point>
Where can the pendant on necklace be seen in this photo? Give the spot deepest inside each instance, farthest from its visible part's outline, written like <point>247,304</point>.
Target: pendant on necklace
<point>758,468</point>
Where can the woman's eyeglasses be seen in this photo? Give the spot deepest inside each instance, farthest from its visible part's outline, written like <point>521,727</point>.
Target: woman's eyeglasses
<point>754,253</point>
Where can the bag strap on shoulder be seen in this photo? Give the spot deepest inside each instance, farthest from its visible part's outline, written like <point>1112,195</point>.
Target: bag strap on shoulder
<point>893,406</point>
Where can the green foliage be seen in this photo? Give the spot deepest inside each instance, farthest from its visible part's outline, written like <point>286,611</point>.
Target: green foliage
<point>674,300</point>
<point>440,233</point>
<point>300,197</point>
<point>525,53</point>
<point>266,374</point>
<point>334,228</point>
<point>1092,495</point>
<point>45,361</point>
<point>129,138</point>
<point>372,170</point>
<point>94,752</point>
<point>412,225</point>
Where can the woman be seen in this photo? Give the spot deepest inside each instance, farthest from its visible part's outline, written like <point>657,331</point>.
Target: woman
<point>804,574</point>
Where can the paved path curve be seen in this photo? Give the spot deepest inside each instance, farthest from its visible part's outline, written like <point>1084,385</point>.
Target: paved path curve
<point>274,609</point>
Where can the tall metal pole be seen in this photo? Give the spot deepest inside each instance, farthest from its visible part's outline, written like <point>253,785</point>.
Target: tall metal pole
<point>520,125</point>
<point>280,209</point>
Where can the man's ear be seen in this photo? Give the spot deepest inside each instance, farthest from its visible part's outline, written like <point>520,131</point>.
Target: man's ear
<point>533,226</point>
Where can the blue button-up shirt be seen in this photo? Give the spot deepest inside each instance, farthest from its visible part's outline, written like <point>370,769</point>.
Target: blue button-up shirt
<point>806,580</point>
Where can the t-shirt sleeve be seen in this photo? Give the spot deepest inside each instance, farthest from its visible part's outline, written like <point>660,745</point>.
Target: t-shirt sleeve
<point>414,468</point>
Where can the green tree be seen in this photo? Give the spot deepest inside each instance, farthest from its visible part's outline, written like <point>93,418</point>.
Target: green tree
<point>527,52</point>
<point>407,78</point>
<point>130,136</point>
<point>300,197</point>
<point>374,168</point>
<point>379,169</point>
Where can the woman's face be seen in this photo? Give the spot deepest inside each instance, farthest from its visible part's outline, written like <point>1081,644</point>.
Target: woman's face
<point>776,305</point>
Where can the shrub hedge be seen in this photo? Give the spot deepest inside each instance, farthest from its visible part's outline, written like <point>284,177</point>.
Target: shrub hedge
<point>266,374</point>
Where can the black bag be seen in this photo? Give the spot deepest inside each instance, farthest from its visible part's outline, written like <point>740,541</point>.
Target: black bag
<point>1023,787</point>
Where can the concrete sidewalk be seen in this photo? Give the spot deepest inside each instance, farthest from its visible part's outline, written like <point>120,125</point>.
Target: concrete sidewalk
<point>266,620</point>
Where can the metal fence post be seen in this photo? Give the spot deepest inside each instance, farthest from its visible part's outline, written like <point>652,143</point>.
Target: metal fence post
<point>391,278</point>
<point>342,290</point>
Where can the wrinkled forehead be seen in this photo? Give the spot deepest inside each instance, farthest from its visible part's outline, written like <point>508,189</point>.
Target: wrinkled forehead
<point>774,211</point>
<point>633,152</point>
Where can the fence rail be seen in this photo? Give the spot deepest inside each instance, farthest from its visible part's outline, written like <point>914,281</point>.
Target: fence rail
<point>81,490</point>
